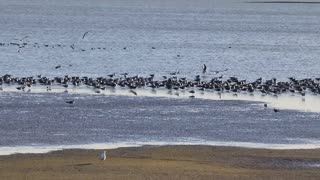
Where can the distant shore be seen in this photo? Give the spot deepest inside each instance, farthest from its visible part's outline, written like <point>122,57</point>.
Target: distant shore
<point>165,162</point>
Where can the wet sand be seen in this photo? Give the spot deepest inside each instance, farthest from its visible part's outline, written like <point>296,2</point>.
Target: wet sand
<point>164,162</point>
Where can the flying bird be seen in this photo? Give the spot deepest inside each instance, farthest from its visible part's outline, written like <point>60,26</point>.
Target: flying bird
<point>70,102</point>
<point>22,38</point>
<point>133,92</point>
<point>84,35</point>
<point>204,68</point>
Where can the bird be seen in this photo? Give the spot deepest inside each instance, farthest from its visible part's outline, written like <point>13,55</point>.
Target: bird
<point>204,68</point>
<point>23,38</point>
<point>84,35</point>
<point>57,67</point>
<point>265,105</point>
<point>103,156</point>
<point>133,92</point>
<point>70,102</point>
<point>276,110</point>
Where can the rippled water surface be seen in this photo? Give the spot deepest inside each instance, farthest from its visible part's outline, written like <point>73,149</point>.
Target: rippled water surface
<point>46,119</point>
<point>251,40</point>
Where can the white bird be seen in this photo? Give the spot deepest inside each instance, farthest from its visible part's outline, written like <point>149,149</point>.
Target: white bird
<point>103,156</point>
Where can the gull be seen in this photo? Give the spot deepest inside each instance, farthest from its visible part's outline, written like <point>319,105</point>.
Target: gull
<point>103,156</point>
<point>204,68</point>
<point>70,102</point>
<point>22,38</point>
<point>84,35</point>
<point>133,92</point>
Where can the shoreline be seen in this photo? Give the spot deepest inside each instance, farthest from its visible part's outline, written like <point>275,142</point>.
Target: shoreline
<point>44,149</point>
<point>163,162</point>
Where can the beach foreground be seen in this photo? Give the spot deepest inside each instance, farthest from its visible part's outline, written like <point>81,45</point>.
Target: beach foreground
<point>164,162</point>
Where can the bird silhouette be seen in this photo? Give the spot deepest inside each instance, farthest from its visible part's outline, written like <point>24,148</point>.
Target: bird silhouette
<point>84,35</point>
<point>204,68</point>
<point>70,102</point>
<point>133,92</point>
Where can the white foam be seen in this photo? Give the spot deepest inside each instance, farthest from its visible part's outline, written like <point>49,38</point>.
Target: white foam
<point>314,165</point>
<point>45,149</point>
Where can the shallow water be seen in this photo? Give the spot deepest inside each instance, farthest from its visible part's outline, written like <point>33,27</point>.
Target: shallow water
<point>250,40</point>
<point>46,120</point>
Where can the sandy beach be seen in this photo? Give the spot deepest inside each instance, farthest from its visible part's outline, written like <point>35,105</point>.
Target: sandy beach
<point>164,162</point>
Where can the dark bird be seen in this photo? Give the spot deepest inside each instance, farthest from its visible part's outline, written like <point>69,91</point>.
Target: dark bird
<point>265,105</point>
<point>133,92</point>
<point>84,35</point>
<point>204,68</point>
<point>57,67</point>
<point>70,102</point>
<point>23,38</point>
<point>20,88</point>
<point>276,110</point>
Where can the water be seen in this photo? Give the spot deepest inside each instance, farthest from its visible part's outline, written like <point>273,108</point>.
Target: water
<point>45,119</point>
<point>266,40</point>
<point>250,40</point>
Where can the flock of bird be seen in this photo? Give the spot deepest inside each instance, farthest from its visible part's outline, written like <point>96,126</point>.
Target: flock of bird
<point>172,82</point>
<point>22,43</point>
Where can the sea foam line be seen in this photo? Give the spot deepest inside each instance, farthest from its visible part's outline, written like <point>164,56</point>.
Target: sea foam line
<point>38,149</point>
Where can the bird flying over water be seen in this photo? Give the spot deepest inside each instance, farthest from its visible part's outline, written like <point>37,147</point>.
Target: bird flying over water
<point>133,92</point>
<point>84,35</point>
<point>70,102</point>
<point>204,68</point>
<point>22,38</point>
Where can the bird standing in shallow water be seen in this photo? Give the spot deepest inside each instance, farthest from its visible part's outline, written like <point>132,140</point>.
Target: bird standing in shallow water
<point>276,110</point>
<point>103,156</point>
